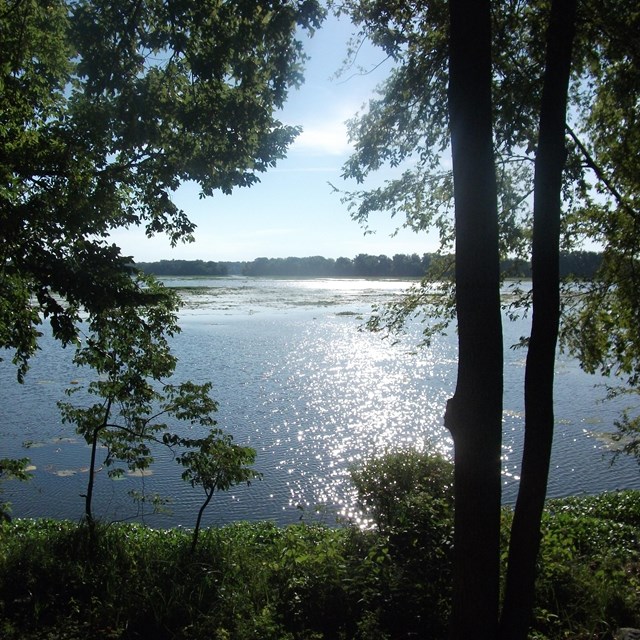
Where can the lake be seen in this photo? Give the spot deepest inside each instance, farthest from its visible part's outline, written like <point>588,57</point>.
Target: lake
<point>300,381</point>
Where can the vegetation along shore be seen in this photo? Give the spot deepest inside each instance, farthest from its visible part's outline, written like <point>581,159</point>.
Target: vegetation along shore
<point>62,580</point>
<point>582,265</point>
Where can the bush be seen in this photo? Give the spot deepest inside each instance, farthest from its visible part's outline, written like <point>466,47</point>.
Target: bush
<point>407,570</point>
<point>399,486</point>
<point>589,576</point>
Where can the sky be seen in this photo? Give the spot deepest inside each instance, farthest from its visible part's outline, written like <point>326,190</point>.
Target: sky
<point>293,211</point>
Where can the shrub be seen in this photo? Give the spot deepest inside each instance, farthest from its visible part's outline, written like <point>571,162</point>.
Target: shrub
<point>407,567</point>
<point>399,486</point>
<point>589,575</point>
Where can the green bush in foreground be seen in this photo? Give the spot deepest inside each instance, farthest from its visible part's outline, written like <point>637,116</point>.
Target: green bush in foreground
<point>589,577</point>
<point>409,496</point>
<point>257,581</point>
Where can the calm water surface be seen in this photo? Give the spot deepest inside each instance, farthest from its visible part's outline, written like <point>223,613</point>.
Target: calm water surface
<point>299,381</point>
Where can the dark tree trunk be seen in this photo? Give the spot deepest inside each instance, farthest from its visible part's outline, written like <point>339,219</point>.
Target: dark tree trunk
<point>88,498</point>
<point>196,531</point>
<point>474,414</point>
<point>550,160</point>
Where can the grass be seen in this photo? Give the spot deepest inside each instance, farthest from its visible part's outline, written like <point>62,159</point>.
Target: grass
<point>61,580</point>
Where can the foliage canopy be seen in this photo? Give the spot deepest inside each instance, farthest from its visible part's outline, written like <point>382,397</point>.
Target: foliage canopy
<point>406,127</point>
<point>107,108</point>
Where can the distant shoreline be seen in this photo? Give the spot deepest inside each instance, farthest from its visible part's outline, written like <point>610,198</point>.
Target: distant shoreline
<point>579,264</point>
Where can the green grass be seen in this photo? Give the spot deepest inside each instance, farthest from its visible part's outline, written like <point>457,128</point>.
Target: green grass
<point>60,580</point>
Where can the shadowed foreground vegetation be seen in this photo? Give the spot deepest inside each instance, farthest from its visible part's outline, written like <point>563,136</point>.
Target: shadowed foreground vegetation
<point>259,581</point>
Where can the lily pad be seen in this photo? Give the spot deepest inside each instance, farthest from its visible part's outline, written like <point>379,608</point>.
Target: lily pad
<point>65,473</point>
<point>140,473</point>
<point>33,444</point>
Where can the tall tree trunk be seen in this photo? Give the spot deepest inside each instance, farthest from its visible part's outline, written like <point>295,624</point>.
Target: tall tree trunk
<point>539,417</point>
<point>474,414</point>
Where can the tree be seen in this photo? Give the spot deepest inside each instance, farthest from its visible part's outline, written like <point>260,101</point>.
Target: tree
<point>474,413</point>
<point>408,123</point>
<point>136,408</point>
<point>215,464</point>
<point>403,127</point>
<point>107,107</point>
<point>541,353</point>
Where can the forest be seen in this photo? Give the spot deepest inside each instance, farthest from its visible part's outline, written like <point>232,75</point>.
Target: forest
<point>581,265</point>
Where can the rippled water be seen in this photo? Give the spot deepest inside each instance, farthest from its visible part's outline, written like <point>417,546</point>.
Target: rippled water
<point>298,380</point>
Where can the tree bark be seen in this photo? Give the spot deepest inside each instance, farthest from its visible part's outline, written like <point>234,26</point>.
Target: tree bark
<point>196,531</point>
<point>88,498</point>
<point>539,373</point>
<point>474,414</point>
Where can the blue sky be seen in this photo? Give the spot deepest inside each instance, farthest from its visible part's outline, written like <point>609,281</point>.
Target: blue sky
<point>293,211</point>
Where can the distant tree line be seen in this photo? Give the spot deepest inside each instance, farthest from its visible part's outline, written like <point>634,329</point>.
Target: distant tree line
<point>578,264</point>
<point>362,266</point>
<point>184,268</point>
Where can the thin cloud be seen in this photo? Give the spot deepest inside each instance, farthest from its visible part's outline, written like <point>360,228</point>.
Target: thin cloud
<point>326,139</point>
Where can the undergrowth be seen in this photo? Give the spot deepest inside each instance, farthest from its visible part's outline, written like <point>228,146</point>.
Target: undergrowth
<point>257,581</point>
